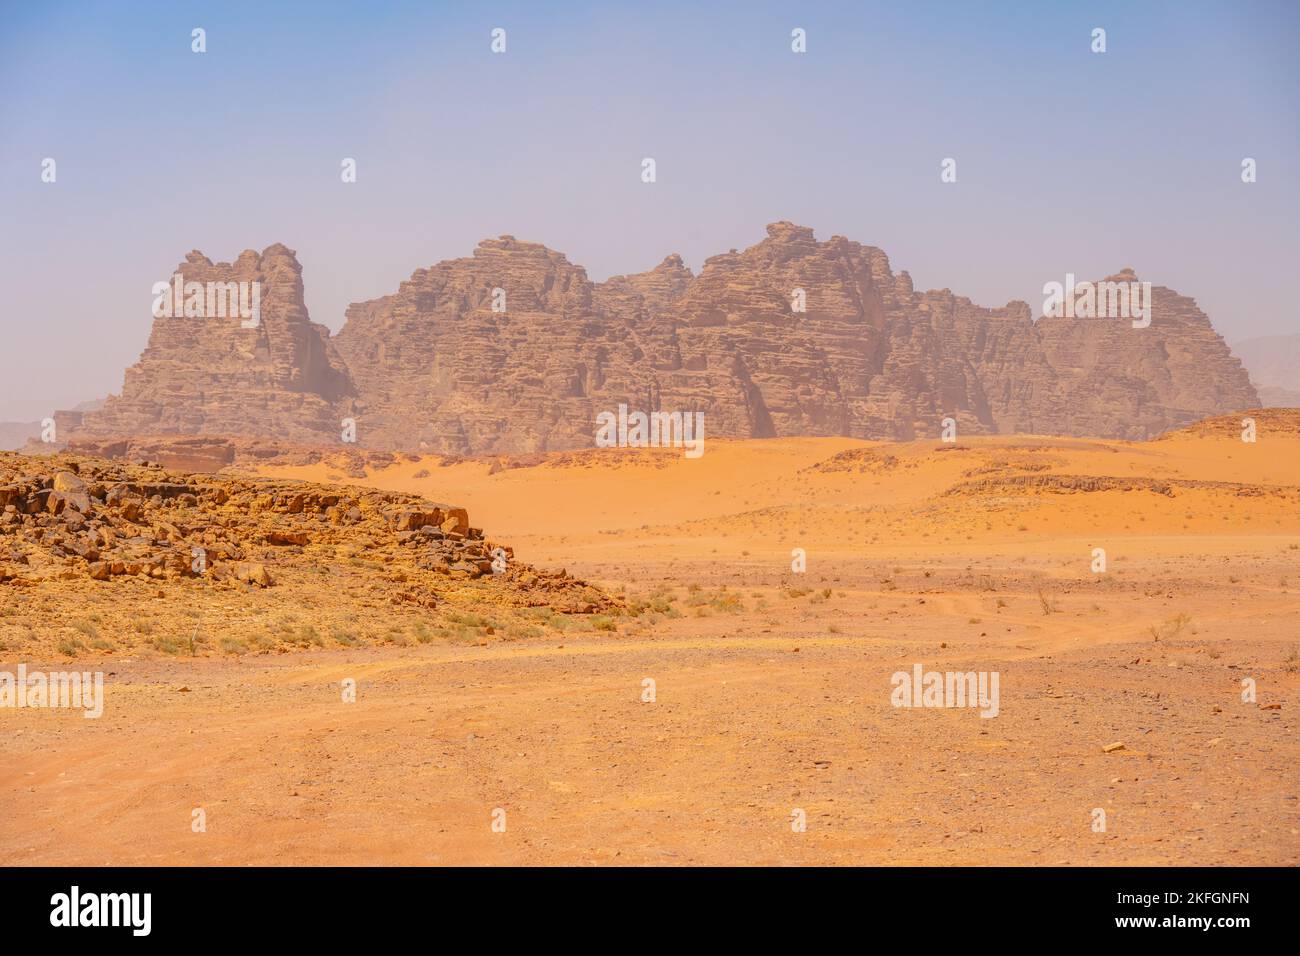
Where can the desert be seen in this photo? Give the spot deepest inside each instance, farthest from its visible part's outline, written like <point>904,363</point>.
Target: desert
<point>530,460</point>
<point>650,680</point>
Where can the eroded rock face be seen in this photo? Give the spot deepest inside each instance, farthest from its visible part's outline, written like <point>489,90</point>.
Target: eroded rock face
<point>195,455</point>
<point>435,367</point>
<point>212,376</point>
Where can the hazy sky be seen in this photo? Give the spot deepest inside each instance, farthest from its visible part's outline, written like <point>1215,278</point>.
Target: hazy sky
<point>1067,160</point>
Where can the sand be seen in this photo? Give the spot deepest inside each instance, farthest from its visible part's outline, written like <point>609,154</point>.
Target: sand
<point>772,689</point>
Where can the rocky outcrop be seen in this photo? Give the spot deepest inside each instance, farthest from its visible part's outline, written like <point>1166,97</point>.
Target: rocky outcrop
<point>212,375</point>
<point>66,516</point>
<point>514,349</point>
<point>194,455</point>
<point>436,368</point>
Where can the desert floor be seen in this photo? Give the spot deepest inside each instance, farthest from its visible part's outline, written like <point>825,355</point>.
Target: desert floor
<point>772,688</point>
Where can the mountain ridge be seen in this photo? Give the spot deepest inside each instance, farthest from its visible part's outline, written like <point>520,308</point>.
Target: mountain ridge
<point>514,349</point>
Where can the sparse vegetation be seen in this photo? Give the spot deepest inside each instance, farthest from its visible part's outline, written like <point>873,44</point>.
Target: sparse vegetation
<point>342,635</point>
<point>167,644</point>
<point>1170,628</point>
<point>69,646</point>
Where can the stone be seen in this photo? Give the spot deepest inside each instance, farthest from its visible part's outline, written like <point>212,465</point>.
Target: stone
<point>213,376</point>
<point>69,481</point>
<point>252,572</point>
<point>57,501</point>
<point>288,537</point>
<point>153,522</point>
<point>432,367</point>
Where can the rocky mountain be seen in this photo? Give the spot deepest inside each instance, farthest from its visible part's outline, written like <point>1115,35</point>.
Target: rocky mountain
<point>514,349</point>
<point>217,375</point>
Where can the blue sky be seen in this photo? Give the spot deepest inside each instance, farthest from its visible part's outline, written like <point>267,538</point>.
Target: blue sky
<point>1067,160</point>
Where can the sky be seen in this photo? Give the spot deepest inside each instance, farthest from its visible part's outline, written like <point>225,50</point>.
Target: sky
<point>1067,160</point>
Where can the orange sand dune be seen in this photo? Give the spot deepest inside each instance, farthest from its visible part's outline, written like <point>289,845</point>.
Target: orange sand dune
<point>873,498</point>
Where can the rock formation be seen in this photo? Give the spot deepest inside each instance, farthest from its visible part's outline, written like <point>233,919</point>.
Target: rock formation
<point>212,376</point>
<point>71,517</point>
<point>515,349</point>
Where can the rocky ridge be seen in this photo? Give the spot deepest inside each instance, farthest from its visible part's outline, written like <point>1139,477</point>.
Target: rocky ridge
<point>448,364</point>
<point>71,518</point>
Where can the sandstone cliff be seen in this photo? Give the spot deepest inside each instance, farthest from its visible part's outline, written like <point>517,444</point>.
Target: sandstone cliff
<point>514,349</point>
<point>213,376</point>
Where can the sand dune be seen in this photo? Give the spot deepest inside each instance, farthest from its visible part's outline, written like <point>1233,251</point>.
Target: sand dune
<point>874,498</point>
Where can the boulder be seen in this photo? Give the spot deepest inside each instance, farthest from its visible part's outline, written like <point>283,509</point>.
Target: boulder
<point>252,572</point>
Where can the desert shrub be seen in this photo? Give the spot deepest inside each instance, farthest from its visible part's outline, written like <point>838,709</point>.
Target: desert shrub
<point>468,620</point>
<point>167,644</point>
<point>1170,628</point>
<point>263,642</point>
<point>342,635</point>
<point>731,603</point>
<point>463,635</point>
<point>519,632</point>
<point>308,636</point>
